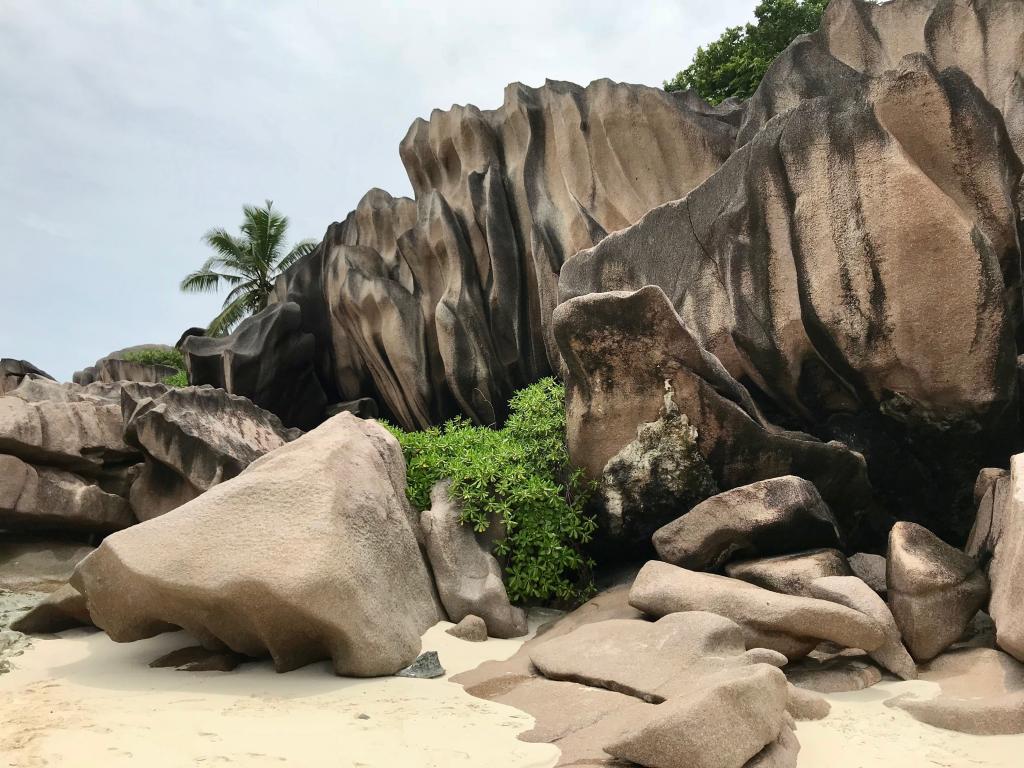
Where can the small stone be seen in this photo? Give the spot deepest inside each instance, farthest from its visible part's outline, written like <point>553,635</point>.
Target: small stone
<point>471,628</point>
<point>426,666</point>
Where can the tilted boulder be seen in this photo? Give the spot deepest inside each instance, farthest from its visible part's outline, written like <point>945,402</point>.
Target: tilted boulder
<point>998,541</point>
<point>619,350</point>
<point>654,479</point>
<point>206,435</point>
<point>770,517</point>
<point>856,261</point>
<point>854,593</point>
<point>308,554</point>
<point>468,577</point>
<point>78,436</point>
<point>41,498</point>
<point>934,589</point>
<point>64,608</point>
<point>790,574</point>
<point>661,589</point>
<point>13,372</point>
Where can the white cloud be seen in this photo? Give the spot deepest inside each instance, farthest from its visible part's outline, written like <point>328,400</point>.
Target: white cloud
<point>130,128</point>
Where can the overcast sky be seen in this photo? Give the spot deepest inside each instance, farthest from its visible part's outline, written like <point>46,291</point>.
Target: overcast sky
<point>127,129</point>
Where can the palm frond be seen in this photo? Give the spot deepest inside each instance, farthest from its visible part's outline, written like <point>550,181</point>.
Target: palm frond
<point>226,244</point>
<point>300,249</point>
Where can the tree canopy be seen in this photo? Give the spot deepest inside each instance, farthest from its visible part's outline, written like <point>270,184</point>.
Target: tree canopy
<point>735,63</point>
<point>248,262</point>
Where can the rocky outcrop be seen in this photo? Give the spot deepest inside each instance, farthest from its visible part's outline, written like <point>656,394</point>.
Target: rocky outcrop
<point>854,593</point>
<point>620,349</point>
<point>308,554</point>
<point>935,590</point>
<point>119,366</point>
<point>442,304</point>
<point>654,479</point>
<point>997,540</point>
<point>468,577</point>
<point>854,264</point>
<point>790,574</point>
<point>770,517</point>
<point>13,372</point>
<point>769,619</point>
<point>40,498</point>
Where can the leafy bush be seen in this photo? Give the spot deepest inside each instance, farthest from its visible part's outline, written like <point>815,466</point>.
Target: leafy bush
<point>170,357</point>
<point>520,475</point>
<point>735,63</point>
<point>180,379</point>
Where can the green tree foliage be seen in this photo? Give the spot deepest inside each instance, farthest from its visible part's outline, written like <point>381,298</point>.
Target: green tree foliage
<point>248,263</point>
<point>171,358</point>
<point>520,475</point>
<point>735,63</point>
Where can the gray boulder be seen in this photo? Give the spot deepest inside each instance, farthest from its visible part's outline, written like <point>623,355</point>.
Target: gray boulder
<point>871,570</point>
<point>471,629</point>
<point>468,577</point>
<point>770,517</point>
<point>790,574</point>
<point>661,589</point>
<point>935,590</point>
<point>308,554</point>
<point>854,593</point>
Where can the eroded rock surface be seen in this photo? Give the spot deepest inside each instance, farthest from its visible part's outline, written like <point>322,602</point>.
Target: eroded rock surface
<point>790,574</point>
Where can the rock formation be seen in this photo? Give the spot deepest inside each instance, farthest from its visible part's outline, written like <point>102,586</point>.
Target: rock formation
<point>346,582</point>
<point>115,367</point>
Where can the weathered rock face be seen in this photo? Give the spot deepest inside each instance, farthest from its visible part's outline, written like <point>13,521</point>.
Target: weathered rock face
<point>998,541</point>
<point>338,576</point>
<point>441,305</point>
<point>114,367</point>
<point>40,498</point>
<point>269,359</point>
<point>620,349</point>
<point>654,479</point>
<point>661,589</point>
<point>852,264</point>
<point>770,517</point>
<point>468,577</point>
<point>934,589</point>
<point>32,564</point>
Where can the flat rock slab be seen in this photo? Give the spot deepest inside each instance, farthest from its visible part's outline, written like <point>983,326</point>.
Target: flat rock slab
<point>935,590</point>
<point>661,589</point>
<point>790,574</point>
<point>198,659</point>
<point>770,517</point>
<point>982,692</point>
<point>837,674</point>
<point>648,660</point>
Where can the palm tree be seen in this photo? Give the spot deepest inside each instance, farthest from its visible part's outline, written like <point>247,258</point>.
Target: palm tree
<point>249,263</point>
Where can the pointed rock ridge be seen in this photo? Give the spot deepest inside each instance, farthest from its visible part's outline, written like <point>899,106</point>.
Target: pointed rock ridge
<point>781,515</point>
<point>619,350</point>
<point>661,589</point>
<point>468,577</point>
<point>799,262</point>
<point>854,593</point>
<point>935,590</point>
<point>790,574</point>
<point>441,305</point>
<point>40,498</point>
<point>654,479</point>
<point>338,576</point>
<point>998,541</point>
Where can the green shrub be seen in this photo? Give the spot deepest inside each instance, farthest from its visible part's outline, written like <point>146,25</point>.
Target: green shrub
<point>521,475</point>
<point>170,357</point>
<point>180,379</point>
<point>735,63</point>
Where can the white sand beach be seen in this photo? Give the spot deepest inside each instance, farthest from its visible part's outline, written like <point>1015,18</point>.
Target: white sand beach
<point>79,699</point>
